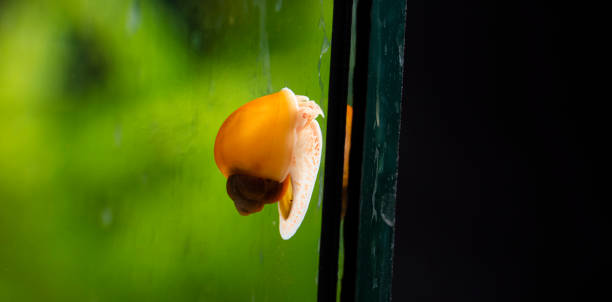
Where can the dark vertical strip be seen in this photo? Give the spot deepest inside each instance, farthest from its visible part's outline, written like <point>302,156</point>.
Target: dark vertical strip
<point>360,83</point>
<point>491,133</point>
<point>380,150</point>
<point>338,88</point>
<point>413,28</point>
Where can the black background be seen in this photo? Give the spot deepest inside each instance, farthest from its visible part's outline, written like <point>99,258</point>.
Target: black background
<point>501,139</point>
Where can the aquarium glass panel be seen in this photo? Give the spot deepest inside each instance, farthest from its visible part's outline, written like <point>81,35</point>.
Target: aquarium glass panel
<point>109,110</point>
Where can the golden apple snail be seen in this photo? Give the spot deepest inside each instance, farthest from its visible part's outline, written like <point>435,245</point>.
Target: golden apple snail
<point>269,150</point>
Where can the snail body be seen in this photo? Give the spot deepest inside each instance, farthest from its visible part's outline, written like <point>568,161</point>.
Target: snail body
<point>269,150</point>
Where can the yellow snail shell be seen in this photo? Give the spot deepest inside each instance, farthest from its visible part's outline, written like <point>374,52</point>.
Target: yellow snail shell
<point>270,151</point>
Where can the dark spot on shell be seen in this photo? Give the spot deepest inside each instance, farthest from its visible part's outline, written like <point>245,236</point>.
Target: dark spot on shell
<point>251,193</point>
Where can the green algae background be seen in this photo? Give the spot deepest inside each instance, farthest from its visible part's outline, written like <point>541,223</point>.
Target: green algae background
<point>108,115</point>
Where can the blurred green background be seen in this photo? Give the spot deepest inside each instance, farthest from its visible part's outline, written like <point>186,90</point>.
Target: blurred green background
<point>108,115</point>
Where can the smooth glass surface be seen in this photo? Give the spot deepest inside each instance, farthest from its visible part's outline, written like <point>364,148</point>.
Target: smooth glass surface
<point>108,114</point>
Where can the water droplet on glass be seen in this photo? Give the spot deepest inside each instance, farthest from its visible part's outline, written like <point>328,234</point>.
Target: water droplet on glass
<point>324,48</point>
<point>118,135</point>
<point>400,51</point>
<point>373,199</point>
<point>133,17</point>
<point>389,221</point>
<point>106,216</point>
<point>196,40</point>
<point>264,47</point>
<point>279,5</point>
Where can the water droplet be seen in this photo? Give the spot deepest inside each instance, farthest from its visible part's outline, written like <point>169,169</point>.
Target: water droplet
<point>118,135</point>
<point>279,5</point>
<point>196,40</point>
<point>373,198</point>
<point>106,216</point>
<point>264,46</point>
<point>389,221</point>
<point>133,17</point>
